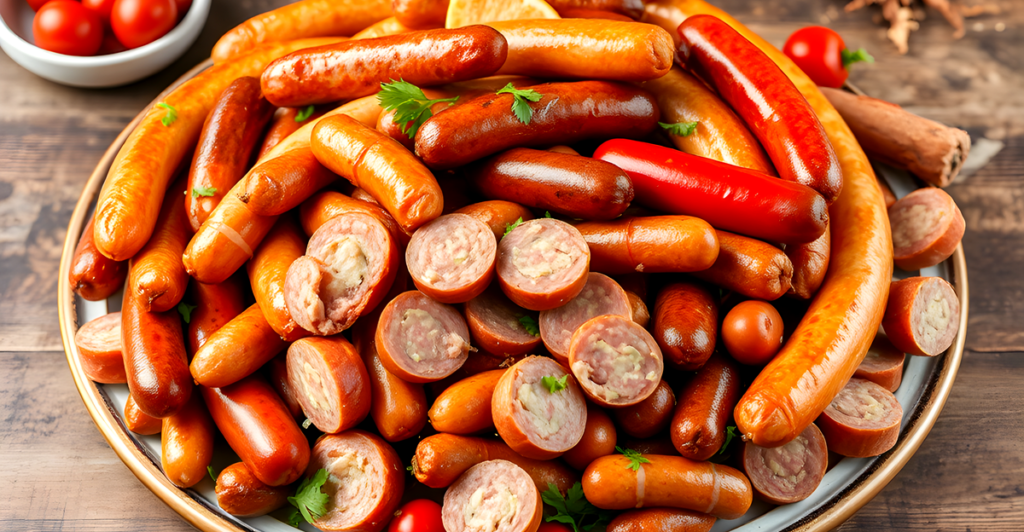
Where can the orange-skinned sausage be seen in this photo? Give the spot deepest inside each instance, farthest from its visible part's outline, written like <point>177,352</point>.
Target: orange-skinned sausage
<point>282,183</point>
<point>216,305</point>
<point>398,408</point>
<point>751,267</point>
<point>330,381</point>
<point>138,421</point>
<point>186,443</point>
<point>282,245</point>
<point>497,214</point>
<point>705,404</point>
<point>92,275</point>
<point>420,13</point>
<point>285,122</point>
<point>158,278</point>
<point>465,407</point>
<point>663,519</point>
<point>317,210</point>
<point>599,439</point>
<point>686,324</point>
<point>239,348</point>
<point>810,263</point>
<point>650,244</point>
<point>241,494</point>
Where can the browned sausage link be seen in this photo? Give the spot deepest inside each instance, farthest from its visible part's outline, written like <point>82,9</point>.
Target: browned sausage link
<point>398,408</point>
<point>420,13</point>
<point>154,357</point>
<point>566,113</point>
<point>660,445</point>
<point>277,374</point>
<point>650,244</point>
<point>159,278</point>
<point>631,8</point>
<point>592,13</point>
<point>241,494</point>
<point>465,407</point>
<point>499,215</point>
<point>286,121</point>
<point>282,183</point>
<point>92,275</point>
<point>355,68</point>
<point>236,350</point>
<point>705,404</point>
<point>599,439</point>
<point>578,187</point>
<point>317,210</point>
<point>650,416</point>
<point>215,305</point>
<point>810,263</point>
<point>267,269</point>
<point>441,458</point>
<point>663,520</point>
<point>186,443</point>
<point>138,421</point>
<point>686,324</point>
<point>229,135</point>
<point>638,308</point>
<point>750,267</point>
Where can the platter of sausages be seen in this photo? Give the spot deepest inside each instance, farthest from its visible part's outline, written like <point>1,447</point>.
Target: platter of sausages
<point>567,265</point>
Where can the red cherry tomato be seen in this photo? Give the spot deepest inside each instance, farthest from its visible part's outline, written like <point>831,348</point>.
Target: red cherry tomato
<point>65,27</point>
<point>182,6</point>
<point>752,332</point>
<point>420,515</point>
<point>36,4</point>
<point>553,527</point>
<point>140,22</point>
<point>100,7</point>
<point>822,55</point>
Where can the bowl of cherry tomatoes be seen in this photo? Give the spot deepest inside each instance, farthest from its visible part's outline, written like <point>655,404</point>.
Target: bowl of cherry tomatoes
<point>99,43</point>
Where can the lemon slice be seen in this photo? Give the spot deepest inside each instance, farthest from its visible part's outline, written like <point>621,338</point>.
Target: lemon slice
<point>467,12</point>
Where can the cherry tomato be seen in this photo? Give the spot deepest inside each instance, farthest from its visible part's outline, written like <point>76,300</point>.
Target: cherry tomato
<point>140,22</point>
<point>100,7</point>
<point>822,55</point>
<point>752,332</point>
<point>65,27</point>
<point>553,527</point>
<point>420,515</point>
<point>36,4</point>
<point>182,6</point>
<point>110,45</point>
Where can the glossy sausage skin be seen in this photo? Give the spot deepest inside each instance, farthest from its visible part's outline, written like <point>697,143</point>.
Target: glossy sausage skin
<point>750,267</point>
<point>585,49</point>
<point>663,519</point>
<point>686,324</point>
<point>770,104</point>
<point>650,416</point>
<point>140,422</point>
<point>356,68</point>
<point>630,8</point>
<point>186,443</point>
<point>239,348</point>
<point>705,404</point>
<point>99,349</point>
<point>441,458</point>
<point>331,382</point>
<point>154,358</point>
<point>720,134</point>
<point>398,408</point>
<point>497,214</point>
<point>216,304</point>
<point>267,268</point>
<point>578,187</point>
<point>592,13</point>
<point>281,184</point>
<point>229,136</point>
<point>650,244</point>
<point>566,113</point>
<point>831,340</point>
<point>465,407</point>
<point>599,439</point>
<point>241,494</point>
<point>667,481</point>
<point>260,429</point>
<point>285,122</point>
<point>420,13</point>
<point>317,210</point>
<point>810,263</point>
<point>158,278</point>
<point>92,275</point>
<point>379,165</point>
<point>277,374</point>
<point>728,197</point>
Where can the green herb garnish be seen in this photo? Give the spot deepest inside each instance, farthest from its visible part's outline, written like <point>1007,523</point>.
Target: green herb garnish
<point>680,129</point>
<point>520,105</point>
<point>635,458</point>
<point>412,107</point>
<point>170,117</point>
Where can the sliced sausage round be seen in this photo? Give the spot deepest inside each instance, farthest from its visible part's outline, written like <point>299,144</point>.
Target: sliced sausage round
<point>499,326</point>
<point>883,365</point>
<point>99,349</point>
<point>790,473</point>
<point>543,263</point>
<point>330,382</point>
<point>650,416</point>
<point>663,520</point>
<point>599,439</point>
<point>926,228</point>
<point>349,265</point>
<point>863,420</point>
<point>451,258</point>
<point>365,481</point>
<point>534,414</point>
<point>421,340</point>
<point>497,496</point>
<point>922,315</point>
<point>241,494</point>
<point>601,296</point>
<point>465,407</point>
<point>617,362</point>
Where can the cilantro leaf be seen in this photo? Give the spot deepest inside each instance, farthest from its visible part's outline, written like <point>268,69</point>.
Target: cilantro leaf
<point>203,191</point>
<point>412,107</point>
<point>530,325</point>
<point>309,499</point>
<point>859,56</point>
<point>520,99</point>
<point>554,384</point>
<point>295,518</point>
<point>304,114</point>
<point>510,227</point>
<point>170,117</point>
<point>680,129</point>
<point>573,509</point>
<point>547,214</point>
<point>635,458</point>
<point>209,469</point>
<point>730,432</point>
<point>186,311</point>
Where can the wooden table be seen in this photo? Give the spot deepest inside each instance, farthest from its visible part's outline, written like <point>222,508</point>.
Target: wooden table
<point>57,472</point>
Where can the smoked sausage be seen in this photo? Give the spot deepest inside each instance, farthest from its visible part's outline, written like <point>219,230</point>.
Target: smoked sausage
<point>99,349</point>
<point>810,264</point>
<point>685,324</point>
<point>239,348</point>
<point>92,275</point>
<point>698,427</point>
<point>138,421</point>
<point>650,244</point>
<point>465,407</point>
<point>863,420</point>
<point>663,519</point>
<point>158,277</point>
<point>542,264</point>
<point>494,495</point>
<point>241,494</point>
<point>451,258</point>
<point>285,122</point>
<point>215,305</point>
<point>790,473</point>
<point>650,416</point>
<point>268,270</point>
<point>599,439</point>
<point>499,215</point>
<point>616,361</point>
<point>420,13</point>
<point>398,408</point>
<point>330,381</point>
<point>922,316</point>
<point>329,204</point>
<point>282,183</point>
<point>499,327</point>
<point>186,443</point>
<point>749,267</point>
<point>277,374</point>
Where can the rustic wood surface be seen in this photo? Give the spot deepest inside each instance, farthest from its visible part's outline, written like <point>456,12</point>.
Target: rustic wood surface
<point>57,473</point>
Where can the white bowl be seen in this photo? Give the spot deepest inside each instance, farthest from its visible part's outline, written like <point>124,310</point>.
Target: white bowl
<point>109,70</point>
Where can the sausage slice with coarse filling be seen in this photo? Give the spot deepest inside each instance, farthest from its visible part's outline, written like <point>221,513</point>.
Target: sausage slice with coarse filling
<point>617,362</point>
<point>421,340</point>
<point>451,258</point>
<point>493,496</point>
<point>499,326</point>
<point>863,420</point>
<point>600,296</point>
<point>788,473</point>
<point>543,263</point>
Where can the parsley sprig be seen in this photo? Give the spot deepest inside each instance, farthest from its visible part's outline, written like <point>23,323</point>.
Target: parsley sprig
<point>730,432</point>
<point>530,325</point>
<point>680,129</point>
<point>520,97</point>
<point>635,458</point>
<point>170,117</point>
<point>554,384</point>
<point>412,107</point>
<point>186,311</point>
<point>573,509</point>
<point>859,56</point>
<point>203,191</point>
<point>511,227</point>
<point>309,501</point>
<point>213,476</point>
<point>304,114</point>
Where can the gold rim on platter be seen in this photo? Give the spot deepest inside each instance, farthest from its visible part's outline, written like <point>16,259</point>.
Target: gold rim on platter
<point>200,514</point>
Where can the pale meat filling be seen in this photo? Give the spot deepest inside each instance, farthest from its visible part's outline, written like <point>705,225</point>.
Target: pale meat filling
<point>460,244</point>
<point>541,255</point>
<point>916,223</point>
<point>313,386</point>
<point>787,462</point>
<point>547,411</point>
<point>353,478</point>
<point>934,321</point>
<point>617,371</point>
<point>857,402</point>
<point>104,333</point>
<point>346,266</point>
<point>426,338</point>
<point>593,301</point>
<point>490,508</point>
